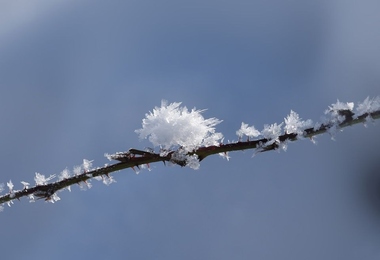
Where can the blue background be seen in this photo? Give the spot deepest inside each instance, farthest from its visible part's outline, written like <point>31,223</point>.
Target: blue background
<point>77,77</point>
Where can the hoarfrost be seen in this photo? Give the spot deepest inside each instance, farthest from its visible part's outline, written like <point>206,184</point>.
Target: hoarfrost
<point>192,161</point>
<point>25,184</point>
<point>40,179</point>
<point>225,155</point>
<point>10,186</point>
<point>108,180</point>
<point>294,124</point>
<point>53,198</point>
<point>249,131</point>
<point>77,170</point>
<point>368,106</point>
<point>339,106</point>
<point>65,174</point>
<point>272,132</point>
<point>171,126</point>
<point>87,165</point>
<point>9,203</point>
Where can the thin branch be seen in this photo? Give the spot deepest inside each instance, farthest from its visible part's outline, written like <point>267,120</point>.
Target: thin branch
<point>134,158</point>
<point>203,152</point>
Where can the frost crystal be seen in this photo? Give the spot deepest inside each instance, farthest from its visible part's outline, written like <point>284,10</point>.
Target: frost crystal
<point>31,198</point>
<point>25,184</point>
<point>192,161</point>
<point>87,165</point>
<point>77,170</point>
<point>249,131</point>
<point>108,180</point>
<point>368,106</point>
<point>41,179</point>
<point>9,203</point>
<point>225,155</point>
<point>1,187</point>
<point>272,132</point>
<point>53,198</point>
<point>109,156</point>
<point>339,106</point>
<point>170,126</point>
<point>333,130</point>
<point>10,186</point>
<point>294,124</point>
<point>65,174</point>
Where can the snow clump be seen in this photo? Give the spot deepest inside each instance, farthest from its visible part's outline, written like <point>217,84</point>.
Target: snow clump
<point>171,126</point>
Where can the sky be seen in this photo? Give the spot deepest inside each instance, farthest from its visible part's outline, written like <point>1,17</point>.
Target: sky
<point>77,78</point>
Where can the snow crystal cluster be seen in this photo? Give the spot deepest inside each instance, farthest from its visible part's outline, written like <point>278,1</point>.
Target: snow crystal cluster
<point>293,125</point>
<point>51,196</point>
<point>249,131</point>
<point>369,105</point>
<point>180,132</point>
<point>175,128</point>
<point>171,127</point>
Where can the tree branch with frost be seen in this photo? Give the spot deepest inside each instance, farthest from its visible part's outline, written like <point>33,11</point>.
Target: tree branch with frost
<point>185,138</point>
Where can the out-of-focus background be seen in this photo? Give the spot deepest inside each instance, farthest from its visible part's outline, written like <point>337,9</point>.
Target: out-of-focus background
<point>77,77</point>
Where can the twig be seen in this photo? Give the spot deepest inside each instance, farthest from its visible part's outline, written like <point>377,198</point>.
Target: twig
<point>130,160</point>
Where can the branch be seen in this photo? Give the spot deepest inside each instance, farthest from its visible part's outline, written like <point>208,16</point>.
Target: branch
<point>135,158</point>
<point>203,152</point>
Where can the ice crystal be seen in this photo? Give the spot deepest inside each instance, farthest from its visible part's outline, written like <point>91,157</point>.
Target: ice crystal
<point>333,130</point>
<point>225,155</point>
<point>53,198</point>
<point>283,146</point>
<point>368,106</point>
<point>31,198</point>
<point>1,187</point>
<point>171,126</point>
<point>192,161</point>
<point>77,170</point>
<point>25,184</point>
<point>271,132</point>
<point>294,124</point>
<point>249,131</point>
<point>40,179</point>
<point>65,174</point>
<point>10,186</point>
<point>107,180</point>
<point>109,156</point>
<point>339,106</point>
<point>87,165</point>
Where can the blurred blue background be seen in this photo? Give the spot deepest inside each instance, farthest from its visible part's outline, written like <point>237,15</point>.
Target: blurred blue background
<point>77,77</point>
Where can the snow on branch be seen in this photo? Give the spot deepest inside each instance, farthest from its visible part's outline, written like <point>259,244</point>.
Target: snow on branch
<point>186,138</point>
<point>171,126</point>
